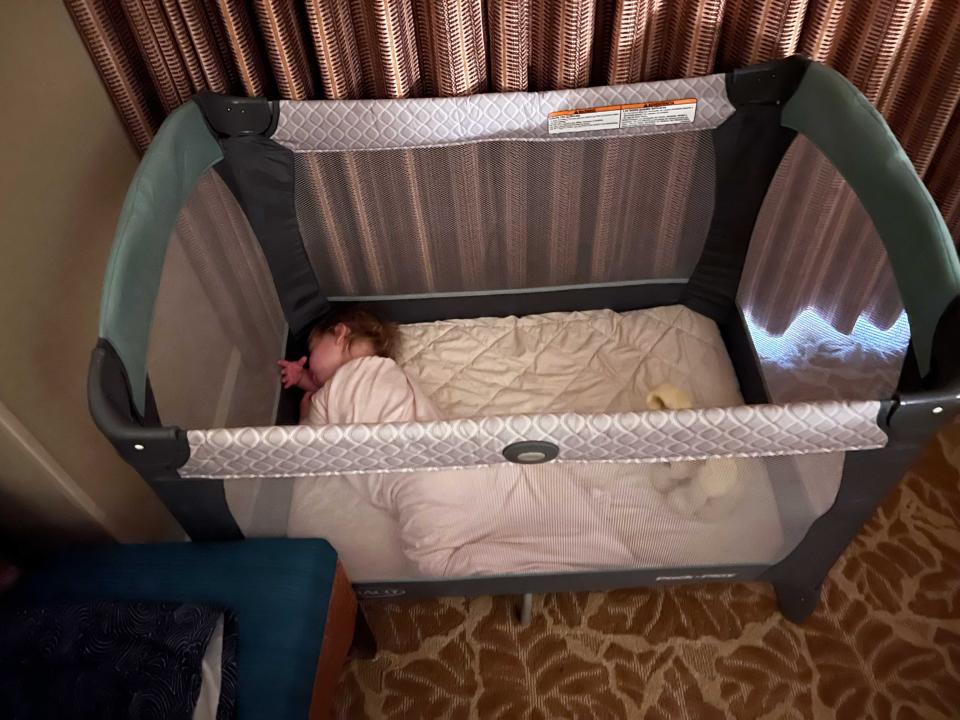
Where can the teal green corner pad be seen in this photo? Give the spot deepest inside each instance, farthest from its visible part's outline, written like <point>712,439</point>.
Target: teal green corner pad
<point>182,151</point>
<point>840,121</point>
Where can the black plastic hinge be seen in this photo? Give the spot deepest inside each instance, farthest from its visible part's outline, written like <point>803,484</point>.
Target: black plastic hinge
<point>915,417</point>
<point>143,443</point>
<point>770,83</point>
<point>231,116</point>
<point>923,404</point>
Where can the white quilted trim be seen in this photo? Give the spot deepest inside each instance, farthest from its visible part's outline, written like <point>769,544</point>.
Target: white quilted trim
<point>655,436</point>
<point>336,126</point>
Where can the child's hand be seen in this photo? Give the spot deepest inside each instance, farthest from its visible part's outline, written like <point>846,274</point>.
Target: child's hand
<point>292,373</point>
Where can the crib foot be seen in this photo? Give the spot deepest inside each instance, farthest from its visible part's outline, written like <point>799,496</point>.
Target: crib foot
<point>526,610</point>
<point>797,604</point>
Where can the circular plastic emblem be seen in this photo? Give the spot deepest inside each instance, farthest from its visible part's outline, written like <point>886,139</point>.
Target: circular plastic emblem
<point>531,452</point>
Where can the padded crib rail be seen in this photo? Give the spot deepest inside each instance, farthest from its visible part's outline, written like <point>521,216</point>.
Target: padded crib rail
<point>180,153</point>
<point>655,436</point>
<point>346,125</point>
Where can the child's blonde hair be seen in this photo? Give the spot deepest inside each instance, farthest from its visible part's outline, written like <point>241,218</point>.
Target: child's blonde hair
<point>363,325</point>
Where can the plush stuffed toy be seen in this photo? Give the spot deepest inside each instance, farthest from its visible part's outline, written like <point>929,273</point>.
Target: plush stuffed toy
<point>702,489</point>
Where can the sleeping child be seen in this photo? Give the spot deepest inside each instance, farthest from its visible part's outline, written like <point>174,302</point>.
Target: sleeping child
<point>498,519</point>
<point>349,376</point>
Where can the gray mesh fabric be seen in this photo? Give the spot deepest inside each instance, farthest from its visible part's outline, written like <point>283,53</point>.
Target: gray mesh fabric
<point>839,332</point>
<point>218,327</point>
<point>504,215</point>
<point>510,520</point>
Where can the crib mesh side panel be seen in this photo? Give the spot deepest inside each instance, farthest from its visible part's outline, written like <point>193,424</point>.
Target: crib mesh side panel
<point>840,331</point>
<point>510,519</point>
<point>506,214</point>
<point>218,327</point>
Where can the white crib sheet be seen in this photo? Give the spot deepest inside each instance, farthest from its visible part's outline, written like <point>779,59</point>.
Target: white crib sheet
<point>555,517</point>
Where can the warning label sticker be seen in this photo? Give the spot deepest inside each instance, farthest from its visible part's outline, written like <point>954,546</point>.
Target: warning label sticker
<point>597,118</point>
<point>663,112</point>
<point>614,117</point>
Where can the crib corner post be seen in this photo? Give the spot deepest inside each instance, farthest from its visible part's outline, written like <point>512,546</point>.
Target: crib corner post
<point>797,604</point>
<point>868,477</point>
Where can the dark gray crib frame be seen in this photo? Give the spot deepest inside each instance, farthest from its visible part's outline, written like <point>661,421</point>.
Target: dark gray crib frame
<point>752,133</point>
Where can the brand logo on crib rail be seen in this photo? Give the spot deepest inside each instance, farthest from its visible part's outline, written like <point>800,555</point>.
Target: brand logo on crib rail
<point>381,593</point>
<point>702,576</point>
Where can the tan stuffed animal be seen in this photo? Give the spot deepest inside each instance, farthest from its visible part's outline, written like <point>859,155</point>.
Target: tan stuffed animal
<point>702,489</point>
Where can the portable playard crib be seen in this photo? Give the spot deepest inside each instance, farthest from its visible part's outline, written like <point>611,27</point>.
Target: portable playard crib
<point>757,239</point>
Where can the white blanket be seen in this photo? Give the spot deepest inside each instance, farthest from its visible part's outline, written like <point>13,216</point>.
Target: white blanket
<point>468,521</point>
<point>524,519</point>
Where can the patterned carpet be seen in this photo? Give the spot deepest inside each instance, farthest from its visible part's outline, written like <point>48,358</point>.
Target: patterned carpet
<point>885,642</point>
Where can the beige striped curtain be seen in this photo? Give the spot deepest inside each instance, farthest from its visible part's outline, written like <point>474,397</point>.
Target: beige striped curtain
<point>903,54</point>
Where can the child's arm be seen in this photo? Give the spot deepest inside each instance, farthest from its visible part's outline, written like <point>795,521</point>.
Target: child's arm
<point>293,374</point>
<point>305,406</point>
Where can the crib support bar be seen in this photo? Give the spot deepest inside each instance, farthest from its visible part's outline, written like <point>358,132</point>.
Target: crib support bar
<point>526,610</point>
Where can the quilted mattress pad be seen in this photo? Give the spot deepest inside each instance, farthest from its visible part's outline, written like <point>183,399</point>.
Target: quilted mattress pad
<point>591,361</point>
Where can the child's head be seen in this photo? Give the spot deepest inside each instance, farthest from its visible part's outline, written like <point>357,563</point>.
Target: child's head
<point>347,335</point>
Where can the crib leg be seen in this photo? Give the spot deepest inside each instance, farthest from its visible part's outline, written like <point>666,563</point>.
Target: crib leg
<point>526,610</point>
<point>797,604</point>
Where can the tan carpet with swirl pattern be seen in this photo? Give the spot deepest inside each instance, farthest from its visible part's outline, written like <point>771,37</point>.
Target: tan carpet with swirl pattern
<point>885,642</point>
